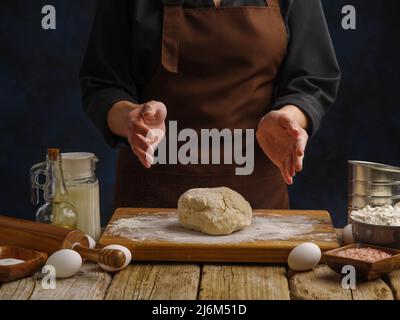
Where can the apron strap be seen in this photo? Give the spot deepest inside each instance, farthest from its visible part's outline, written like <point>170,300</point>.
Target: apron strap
<point>273,3</point>
<point>171,34</point>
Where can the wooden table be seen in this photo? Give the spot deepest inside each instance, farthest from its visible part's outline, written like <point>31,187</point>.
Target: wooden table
<point>153,281</point>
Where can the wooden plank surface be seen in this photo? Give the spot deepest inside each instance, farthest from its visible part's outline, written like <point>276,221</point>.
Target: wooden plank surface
<point>319,284</point>
<point>372,290</point>
<point>217,282</point>
<point>394,283</point>
<point>17,290</point>
<point>272,249</point>
<point>227,282</point>
<point>324,284</point>
<point>90,283</point>
<point>156,282</point>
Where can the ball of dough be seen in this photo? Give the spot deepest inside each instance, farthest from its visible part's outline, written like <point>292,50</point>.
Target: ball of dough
<point>217,211</point>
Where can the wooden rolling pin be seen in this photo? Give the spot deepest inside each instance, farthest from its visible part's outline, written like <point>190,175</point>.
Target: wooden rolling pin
<point>50,238</point>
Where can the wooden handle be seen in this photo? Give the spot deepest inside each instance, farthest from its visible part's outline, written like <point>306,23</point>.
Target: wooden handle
<point>109,257</point>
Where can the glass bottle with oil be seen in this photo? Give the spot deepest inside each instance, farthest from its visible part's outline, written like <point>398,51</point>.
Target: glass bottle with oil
<point>57,209</point>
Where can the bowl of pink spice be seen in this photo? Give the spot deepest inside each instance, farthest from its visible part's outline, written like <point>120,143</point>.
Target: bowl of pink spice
<point>370,262</point>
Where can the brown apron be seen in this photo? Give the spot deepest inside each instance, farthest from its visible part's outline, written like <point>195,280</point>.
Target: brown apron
<point>217,70</point>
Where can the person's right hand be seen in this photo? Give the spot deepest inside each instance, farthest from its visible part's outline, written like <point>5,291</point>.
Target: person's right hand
<point>146,129</point>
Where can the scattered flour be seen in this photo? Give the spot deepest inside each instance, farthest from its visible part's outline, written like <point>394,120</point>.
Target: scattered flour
<point>10,262</point>
<point>166,227</point>
<point>381,216</point>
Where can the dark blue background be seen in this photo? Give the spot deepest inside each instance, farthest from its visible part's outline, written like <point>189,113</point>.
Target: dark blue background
<point>40,102</point>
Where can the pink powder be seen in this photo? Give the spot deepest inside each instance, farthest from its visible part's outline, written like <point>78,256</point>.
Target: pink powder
<point>364,254</point>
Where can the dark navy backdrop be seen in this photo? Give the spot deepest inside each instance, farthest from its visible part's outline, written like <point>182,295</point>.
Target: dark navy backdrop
<point>40,102</point>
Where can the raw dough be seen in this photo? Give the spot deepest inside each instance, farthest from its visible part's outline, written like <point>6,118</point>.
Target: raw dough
<point>218,211</point>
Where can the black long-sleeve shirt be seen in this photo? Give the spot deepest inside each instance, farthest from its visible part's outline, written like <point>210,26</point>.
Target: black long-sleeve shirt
<point>125,47</point>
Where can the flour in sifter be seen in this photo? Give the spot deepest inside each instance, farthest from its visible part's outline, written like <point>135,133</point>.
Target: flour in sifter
<point>382,216</point>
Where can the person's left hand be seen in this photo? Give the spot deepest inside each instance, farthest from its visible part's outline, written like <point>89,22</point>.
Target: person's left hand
<point>283,138</point>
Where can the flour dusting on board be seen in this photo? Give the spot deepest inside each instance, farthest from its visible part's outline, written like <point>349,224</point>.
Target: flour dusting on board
<point>166,227</point>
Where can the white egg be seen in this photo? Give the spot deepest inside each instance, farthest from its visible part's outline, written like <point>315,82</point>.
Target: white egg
<point>347,235</point>
<point>128,258</point>
<point>304,257</point>
<point>92,242</point>
<point>66,263</point>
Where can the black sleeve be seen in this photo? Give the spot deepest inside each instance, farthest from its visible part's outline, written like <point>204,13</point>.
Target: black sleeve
<point>310,75</point>
<point>106,74</point>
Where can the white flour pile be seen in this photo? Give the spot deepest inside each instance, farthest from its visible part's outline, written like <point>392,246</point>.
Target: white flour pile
<point>10,262</point>
<point>166,227</point>
<point>381,216</point>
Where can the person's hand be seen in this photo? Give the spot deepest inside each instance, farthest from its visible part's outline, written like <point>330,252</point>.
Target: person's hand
<point>282,136</point>
<point>143,126</point>
<point>146,129</point>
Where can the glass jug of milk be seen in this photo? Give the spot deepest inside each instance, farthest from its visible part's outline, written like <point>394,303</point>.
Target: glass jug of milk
<point>83,189</point>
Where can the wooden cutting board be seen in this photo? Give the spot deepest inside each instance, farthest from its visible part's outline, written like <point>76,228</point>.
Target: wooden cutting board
<point>156,235</point>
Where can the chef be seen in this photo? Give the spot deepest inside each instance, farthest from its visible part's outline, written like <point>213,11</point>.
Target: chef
<point>266,65</point>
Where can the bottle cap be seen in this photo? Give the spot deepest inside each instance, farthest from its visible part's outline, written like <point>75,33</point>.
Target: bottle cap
<point>53,154</point>
<point>78,165</point>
